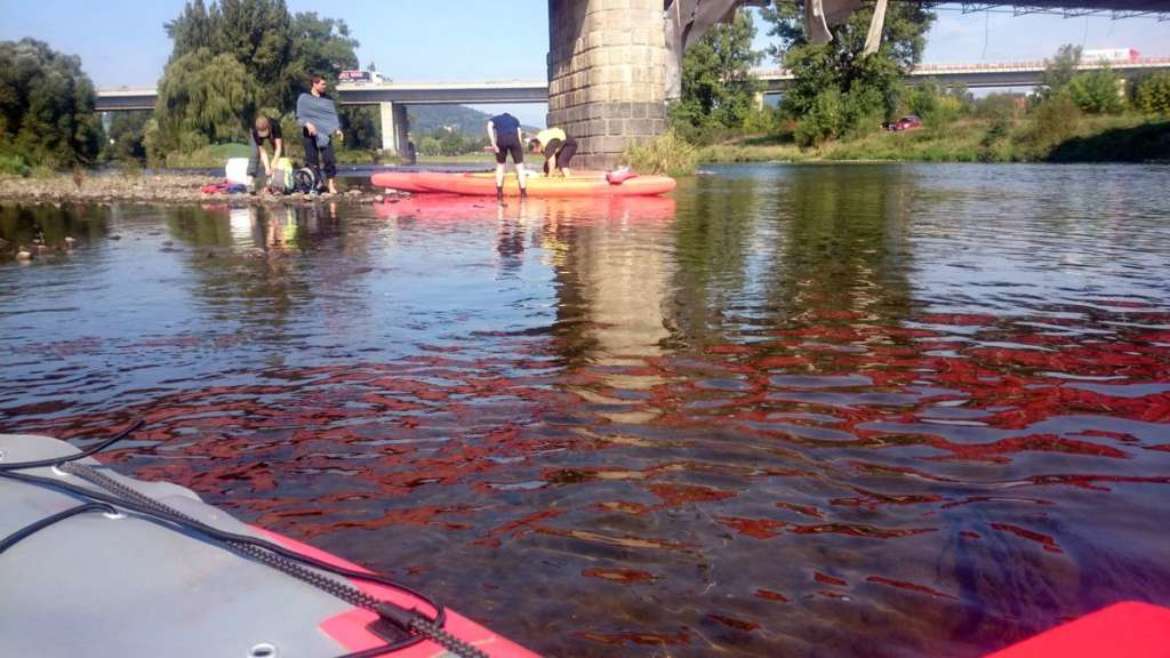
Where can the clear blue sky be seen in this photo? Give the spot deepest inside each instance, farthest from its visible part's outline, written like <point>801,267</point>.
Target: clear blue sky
<point>122,42</point>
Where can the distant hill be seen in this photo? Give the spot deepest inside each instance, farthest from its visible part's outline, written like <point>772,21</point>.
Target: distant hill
<point>426,119</point>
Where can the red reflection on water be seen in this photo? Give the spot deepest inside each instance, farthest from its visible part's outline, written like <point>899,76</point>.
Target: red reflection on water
<point>620,575</point>
<point>758,528</point>
<point>1045,541</point>
<point>912,587</point>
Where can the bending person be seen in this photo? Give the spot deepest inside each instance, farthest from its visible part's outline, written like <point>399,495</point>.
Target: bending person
<point>504,133</point>
<point>317,116</point>
<point>558,150</point>
<point>264,129</point>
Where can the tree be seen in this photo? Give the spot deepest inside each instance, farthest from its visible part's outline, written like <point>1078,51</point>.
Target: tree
<point>1097,92</point>
<point>866,88</point>
<point>1059,71</point>
<point>46,106</point>
<point>266,55</point>
<point>717,87</point>
<point>201,100</point>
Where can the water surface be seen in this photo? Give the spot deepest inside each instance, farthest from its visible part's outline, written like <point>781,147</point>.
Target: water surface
<point>888,410</point>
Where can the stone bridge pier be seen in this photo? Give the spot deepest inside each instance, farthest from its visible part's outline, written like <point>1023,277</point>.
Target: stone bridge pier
<point>607,75</point>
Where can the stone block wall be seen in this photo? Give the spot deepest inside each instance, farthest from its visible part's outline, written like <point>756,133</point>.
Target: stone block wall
<point>607,75</point>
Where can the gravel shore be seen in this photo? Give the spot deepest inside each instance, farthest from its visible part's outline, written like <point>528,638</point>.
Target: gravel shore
<point>151,188</point>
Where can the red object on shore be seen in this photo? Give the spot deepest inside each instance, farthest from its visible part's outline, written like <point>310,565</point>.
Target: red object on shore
<point>1123,630</point>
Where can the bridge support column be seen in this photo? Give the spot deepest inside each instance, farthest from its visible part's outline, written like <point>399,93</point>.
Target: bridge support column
<point>606,75</point>
<point>395,125</point>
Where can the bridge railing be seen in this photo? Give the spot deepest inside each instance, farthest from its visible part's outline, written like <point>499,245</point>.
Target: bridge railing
<point>992,67</point>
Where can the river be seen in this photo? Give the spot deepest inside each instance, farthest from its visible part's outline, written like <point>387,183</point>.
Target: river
<point>829,410</point>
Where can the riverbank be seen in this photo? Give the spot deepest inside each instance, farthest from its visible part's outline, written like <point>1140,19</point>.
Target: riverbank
<point>154,188</point>
<point>1093,139</point>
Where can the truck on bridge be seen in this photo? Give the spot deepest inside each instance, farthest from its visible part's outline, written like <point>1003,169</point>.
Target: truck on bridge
<point>1110,55</point>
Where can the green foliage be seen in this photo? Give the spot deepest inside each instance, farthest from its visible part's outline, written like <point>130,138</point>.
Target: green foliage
<point>1153,94</point>
<point>1002,108</point>
<point>451,142</point>
<point>46,107</point>
<point>1097,92</point>
<point>839,90</point>
<point>718,92</point>
<point>13,165</point>
<point>127,137</point>
<point>667,154</point>
<point>202,100</point>
<point>1054,121</point>
<point>823,121</point>
<point>1059,71</point>
<point>235,56</point>
<point>936,106</point>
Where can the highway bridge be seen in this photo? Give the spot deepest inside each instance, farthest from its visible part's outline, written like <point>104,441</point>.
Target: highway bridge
<point>973,76</point>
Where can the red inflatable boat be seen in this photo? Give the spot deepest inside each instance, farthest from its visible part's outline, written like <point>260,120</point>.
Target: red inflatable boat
<point>580,184</point>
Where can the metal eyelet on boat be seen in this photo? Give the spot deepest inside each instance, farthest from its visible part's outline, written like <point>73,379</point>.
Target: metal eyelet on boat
<point>263,650</point>
<point>58,472</point>
<point>113,516</point>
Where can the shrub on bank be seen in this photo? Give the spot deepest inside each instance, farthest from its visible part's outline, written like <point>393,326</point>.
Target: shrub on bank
<point>667,154</point>
<point>1097,92</point>
<point>1153,94</point>
<point>13,165</point>
<point>1054,121</point>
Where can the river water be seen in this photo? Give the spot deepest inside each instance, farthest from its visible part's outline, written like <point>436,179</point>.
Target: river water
<point>868,410</point>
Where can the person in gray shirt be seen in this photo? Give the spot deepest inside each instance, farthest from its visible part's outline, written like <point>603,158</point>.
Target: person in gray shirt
<point>317,117</point>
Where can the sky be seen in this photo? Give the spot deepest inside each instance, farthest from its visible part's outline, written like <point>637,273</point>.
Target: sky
<point>122,42</point>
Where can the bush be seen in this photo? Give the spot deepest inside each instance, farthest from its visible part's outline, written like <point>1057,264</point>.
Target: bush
<point>667,154</point>
<point>1055,120</point>
<point>13,164</point>
<point>999,108</point>
<point>1153,94</point>
<point>824,121</point>
<point>1097,92</point>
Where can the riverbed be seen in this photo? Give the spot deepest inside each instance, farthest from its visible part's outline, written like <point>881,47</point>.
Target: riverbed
<point>823,410</point>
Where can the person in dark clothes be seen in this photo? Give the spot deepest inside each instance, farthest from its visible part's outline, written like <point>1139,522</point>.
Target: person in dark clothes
<point>317,116</point>
<point>264,129</point>
<point>504,133</point>
<point>558,150</point>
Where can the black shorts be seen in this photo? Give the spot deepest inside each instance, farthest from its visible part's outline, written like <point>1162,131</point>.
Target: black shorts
<point>563,150</point>
<point>507,146</point>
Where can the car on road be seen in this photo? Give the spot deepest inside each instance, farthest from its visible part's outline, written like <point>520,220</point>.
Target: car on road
<point>908,122</point>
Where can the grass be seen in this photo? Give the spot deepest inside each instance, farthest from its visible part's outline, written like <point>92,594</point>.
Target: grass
<point>1092,139</point>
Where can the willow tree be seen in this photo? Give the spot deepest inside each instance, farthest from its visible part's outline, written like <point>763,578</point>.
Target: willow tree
<point>201,100</point>
<point>276,52</point>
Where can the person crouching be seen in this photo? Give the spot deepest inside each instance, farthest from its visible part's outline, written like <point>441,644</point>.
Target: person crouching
<point>558,149</point>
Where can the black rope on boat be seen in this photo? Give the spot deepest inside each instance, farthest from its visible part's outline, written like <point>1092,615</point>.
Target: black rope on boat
<point>414,623</point>
<point>58,461</point>
<point>32,528</point>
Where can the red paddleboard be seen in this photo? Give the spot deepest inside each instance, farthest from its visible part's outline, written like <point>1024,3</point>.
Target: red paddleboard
<point>580,184</point>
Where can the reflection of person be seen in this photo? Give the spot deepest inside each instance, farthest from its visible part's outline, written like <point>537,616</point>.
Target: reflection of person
<point>264,129</point>
<point>504,132</point>
<point>558,150</point>
<point>317,116</point>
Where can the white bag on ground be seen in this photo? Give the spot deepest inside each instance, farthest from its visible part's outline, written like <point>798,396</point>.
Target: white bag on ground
<point>236,171</point>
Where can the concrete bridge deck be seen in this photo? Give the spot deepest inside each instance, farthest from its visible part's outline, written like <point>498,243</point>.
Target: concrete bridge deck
<point>992,74</point>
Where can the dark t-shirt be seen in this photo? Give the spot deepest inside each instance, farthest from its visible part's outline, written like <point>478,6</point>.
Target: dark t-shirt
<point>273,133</point>
<point>506,125</point>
